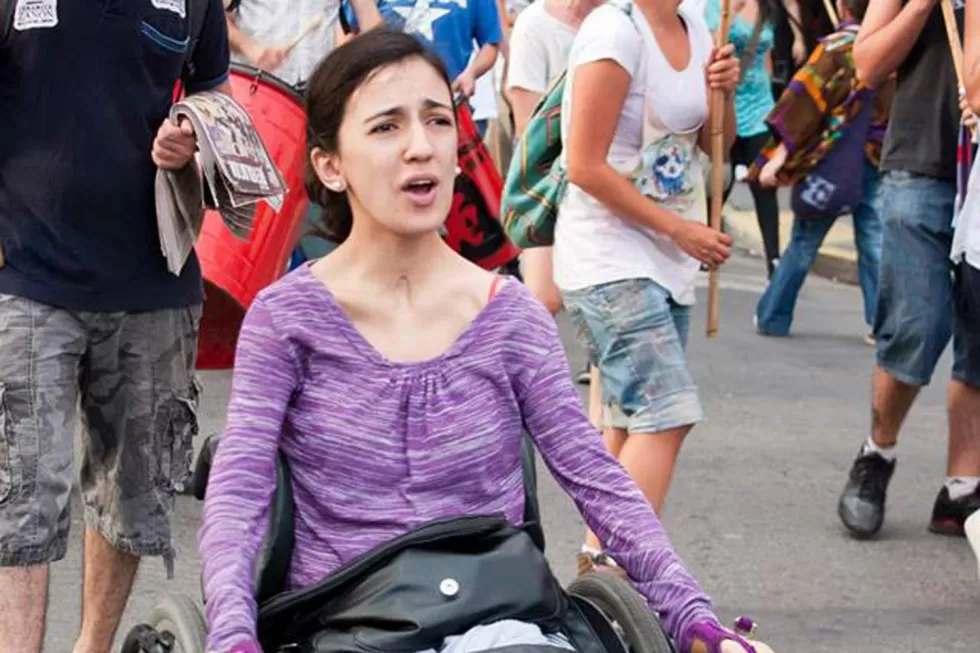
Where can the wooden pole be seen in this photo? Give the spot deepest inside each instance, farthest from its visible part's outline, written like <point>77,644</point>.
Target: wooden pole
<point>717,168</point>
<point>955,49</point>
<point>832,12</point>
<point>310,25</point>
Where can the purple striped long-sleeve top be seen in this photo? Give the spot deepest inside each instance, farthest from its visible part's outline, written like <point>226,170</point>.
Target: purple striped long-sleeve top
<point>377,448</point>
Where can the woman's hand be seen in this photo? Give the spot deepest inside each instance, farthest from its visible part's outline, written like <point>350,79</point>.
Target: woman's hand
<point>723,70</point>
<point>712,637</point>
<point>703,243</point>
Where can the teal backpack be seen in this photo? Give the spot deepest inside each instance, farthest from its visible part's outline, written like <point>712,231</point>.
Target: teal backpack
<point>536,181</point>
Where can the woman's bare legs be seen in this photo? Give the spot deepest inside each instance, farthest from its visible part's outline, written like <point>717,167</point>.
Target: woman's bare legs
<point>649,458</point>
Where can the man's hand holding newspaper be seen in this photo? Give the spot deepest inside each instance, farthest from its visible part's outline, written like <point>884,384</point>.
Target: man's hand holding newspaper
<point>237,173</point>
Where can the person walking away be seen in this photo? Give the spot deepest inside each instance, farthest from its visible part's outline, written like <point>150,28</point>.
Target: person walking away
<point>260,30</point>
<point>631,232</point>
<point>752,35</point>
<point>92,323</point>
<point>826,116</point>
<point>915,313</point>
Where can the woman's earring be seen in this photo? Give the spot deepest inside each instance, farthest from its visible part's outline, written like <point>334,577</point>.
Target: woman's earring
<point>338,186</point>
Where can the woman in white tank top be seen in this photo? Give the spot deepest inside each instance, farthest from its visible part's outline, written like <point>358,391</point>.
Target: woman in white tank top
<point>631,231</point>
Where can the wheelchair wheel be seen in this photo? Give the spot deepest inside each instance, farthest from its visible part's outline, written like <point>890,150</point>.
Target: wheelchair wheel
<point>176,625</point>
<point>633,620</point>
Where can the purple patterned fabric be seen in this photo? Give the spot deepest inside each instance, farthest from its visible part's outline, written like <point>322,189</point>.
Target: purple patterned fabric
<point>245,647</point>
<point>378,448</point>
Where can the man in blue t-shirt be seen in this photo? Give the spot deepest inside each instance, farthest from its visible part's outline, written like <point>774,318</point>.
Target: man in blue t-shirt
<point>92,323</point>
<point>451,28</point>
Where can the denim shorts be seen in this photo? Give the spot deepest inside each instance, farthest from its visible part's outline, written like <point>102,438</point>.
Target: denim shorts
<point>130,378</point>
<point>914,316</point>
<point>636,334</point>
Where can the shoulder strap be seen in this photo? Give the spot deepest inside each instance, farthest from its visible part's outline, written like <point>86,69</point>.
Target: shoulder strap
<point>495,286</point>
<point>197,12</point>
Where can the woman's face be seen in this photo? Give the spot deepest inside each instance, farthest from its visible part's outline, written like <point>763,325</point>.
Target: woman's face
<point>397,150</point>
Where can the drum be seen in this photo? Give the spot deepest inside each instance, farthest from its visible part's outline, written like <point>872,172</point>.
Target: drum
<point>473,227</point>
<point>235,270</point>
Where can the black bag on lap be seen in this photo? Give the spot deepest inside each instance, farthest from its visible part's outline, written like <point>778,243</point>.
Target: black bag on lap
<point>410,594</point>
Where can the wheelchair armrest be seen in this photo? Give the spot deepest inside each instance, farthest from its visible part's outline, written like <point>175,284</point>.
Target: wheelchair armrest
<point>202,468</point>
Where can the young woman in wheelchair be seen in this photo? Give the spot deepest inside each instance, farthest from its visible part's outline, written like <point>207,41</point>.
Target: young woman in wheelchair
<point>398,380</point>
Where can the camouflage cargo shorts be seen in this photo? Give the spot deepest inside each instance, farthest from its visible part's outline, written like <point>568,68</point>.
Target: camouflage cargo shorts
<point>129,377</point>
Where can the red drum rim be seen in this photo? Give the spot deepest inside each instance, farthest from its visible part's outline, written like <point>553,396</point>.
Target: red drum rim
<point>259,76</point>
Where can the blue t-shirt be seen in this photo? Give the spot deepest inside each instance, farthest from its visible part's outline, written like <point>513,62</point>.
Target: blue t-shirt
<point>450,27</point>
<point>84,87</point>
<point>753,95</point>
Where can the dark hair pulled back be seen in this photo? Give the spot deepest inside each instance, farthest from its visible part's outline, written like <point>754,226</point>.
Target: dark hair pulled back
<point>330,88</point>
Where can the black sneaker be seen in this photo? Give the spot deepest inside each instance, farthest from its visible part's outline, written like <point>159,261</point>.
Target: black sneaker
<point>862,504</point>
<point>948,516</point>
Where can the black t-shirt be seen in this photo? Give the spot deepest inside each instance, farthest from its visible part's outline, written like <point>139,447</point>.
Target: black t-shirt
<point>84,86</point>
<point>925,118</point>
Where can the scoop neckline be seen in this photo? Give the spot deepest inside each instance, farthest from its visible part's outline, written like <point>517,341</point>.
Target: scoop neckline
<point>364,347</point>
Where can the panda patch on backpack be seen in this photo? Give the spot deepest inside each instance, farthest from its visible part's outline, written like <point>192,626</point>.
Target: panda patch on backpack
<point>35,14</point>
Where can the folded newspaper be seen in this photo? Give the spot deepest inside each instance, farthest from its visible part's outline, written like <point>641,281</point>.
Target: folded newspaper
<point>237,170</point>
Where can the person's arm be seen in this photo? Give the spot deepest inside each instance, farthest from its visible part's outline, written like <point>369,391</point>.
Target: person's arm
<point>887,35</point>
<point>605,495</point>
<point>507,22</point>
<point>801,112</point>
<point>523,103</point>
<point>769,175</point>
<point>971,55</point>
<point>243,478</point>
<point>794,17</point>
<point>599,93</point>
<point>488,35</point>
<point>366,14</point>
<point>482,63</point>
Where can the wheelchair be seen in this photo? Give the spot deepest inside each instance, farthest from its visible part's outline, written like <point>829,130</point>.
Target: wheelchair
<point>610,616</point>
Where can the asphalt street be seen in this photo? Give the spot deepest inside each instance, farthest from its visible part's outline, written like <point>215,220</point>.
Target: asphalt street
<point>753,507</point>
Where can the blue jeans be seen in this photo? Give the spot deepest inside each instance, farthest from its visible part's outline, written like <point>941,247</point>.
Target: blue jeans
<point>636,334</point>
<point>914,319</point>
<point>775,310</point>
